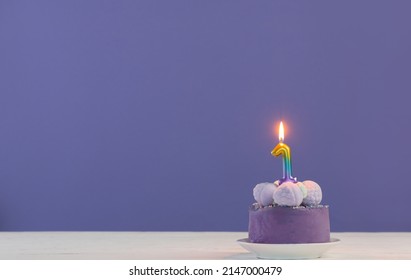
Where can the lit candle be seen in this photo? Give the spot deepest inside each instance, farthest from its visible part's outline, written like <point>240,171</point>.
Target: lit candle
<point>284,150</point>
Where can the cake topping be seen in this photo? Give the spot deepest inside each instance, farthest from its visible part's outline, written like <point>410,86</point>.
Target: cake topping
<point>303,189</point>
<point>288,194</point>
<point>263,193</point>
<point>314,193</point>
<point>307,193</point>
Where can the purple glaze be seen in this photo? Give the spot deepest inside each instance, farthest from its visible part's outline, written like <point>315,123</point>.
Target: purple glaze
<point>281,225</point>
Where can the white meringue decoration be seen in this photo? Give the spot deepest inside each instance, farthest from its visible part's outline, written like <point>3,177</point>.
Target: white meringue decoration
<point>263,193</point>
<point>314,193</point>
<point>303,189</point>
<point>288,194</point>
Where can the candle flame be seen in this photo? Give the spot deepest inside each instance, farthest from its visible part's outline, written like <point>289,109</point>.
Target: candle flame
<point>281,132</point>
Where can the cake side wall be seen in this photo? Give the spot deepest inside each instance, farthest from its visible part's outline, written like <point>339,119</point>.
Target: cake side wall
<point>282,225</point>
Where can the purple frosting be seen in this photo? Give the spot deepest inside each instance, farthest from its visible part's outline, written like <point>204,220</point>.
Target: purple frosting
<point>282,225</point>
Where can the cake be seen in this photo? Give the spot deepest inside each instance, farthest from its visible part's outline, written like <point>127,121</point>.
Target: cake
<point>288,213</point>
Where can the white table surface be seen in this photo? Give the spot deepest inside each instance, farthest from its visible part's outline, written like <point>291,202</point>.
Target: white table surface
<point>181,245</point>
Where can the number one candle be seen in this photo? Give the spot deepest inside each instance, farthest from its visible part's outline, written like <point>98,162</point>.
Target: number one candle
<point>284,150</point>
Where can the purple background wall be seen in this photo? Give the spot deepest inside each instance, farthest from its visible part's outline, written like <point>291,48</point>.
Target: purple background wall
<point>159,115</point>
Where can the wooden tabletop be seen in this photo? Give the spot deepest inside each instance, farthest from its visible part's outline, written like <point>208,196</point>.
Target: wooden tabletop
<point>181,245</point>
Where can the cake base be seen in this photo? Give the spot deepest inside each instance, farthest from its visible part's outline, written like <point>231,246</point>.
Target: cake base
<point>288,225</point>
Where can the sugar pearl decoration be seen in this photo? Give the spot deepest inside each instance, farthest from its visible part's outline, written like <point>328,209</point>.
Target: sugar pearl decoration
<point>314,194</point>
<point>263,193</point>
<point>288,194</point>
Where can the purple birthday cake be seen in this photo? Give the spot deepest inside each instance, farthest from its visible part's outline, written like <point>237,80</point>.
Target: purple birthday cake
<point>288,213</point>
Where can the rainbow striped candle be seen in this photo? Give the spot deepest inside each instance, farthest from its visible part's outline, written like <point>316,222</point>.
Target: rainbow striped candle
<point>285,151</point>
